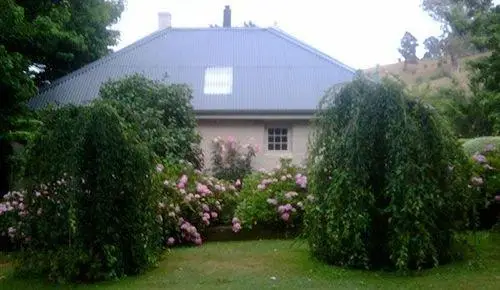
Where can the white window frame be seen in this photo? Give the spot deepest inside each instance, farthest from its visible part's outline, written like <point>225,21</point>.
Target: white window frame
<point>279,135</point>
<point>218,80</point>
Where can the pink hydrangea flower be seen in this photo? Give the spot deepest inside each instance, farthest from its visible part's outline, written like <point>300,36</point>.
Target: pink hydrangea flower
<point>237,183</point>
<point>489,148</point>
<point>192,230</point>
<point>291,194</point>
<point>159,167</point>
<point>205,207</point>
<point>198,241</point>
<point>184,179</point>
<point>214,214</point>
<point>170,241</point>
<point>272,201</point>
<point>235,220</point>
<point>497,198</point>
<point>479,158</point>
<point>236,227</point>
<point>285,216</point>
<point>301,180</point>
<point>477,181</point>
<point>181,185</point>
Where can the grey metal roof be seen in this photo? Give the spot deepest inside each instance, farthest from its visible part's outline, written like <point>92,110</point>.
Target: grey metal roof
<point>271,70</point>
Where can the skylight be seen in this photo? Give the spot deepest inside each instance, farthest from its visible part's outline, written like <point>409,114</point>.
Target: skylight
<point>218,81</point>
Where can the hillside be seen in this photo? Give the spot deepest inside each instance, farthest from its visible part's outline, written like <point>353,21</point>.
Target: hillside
<point>432,73</point>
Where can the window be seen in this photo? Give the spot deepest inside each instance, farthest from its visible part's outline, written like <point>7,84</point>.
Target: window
<point>218,81</point>
<point>277,139</point>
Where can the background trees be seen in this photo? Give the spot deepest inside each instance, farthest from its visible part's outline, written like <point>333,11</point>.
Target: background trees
<point>409,48</point>
<point>41,40</point>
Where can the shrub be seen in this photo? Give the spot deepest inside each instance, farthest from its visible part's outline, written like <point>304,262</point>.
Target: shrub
<point>486,182</point>
<point>162,114</point>
<point>192,202</point>
<point>477,145</point>
<point>96,221</point>
<point>389,180</point>
<point>274,199</point>
<point>231,160</point>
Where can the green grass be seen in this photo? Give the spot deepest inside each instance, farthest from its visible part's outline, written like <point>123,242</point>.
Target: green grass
<point>252,264</point>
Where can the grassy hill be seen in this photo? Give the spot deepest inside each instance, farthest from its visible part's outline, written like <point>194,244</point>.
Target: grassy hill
<point>427,73</point>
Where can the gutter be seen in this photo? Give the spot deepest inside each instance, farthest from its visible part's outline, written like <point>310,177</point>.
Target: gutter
<point>254,114</point>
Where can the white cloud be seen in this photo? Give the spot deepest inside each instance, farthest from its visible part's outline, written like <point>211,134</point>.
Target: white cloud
<point>359,33</point>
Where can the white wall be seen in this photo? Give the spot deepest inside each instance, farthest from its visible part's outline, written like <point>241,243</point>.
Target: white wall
<point>255,132</point>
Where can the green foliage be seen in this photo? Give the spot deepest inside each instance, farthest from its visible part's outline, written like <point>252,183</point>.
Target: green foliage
<point>90,213</point>
<point>274,199</point>
<point>162,114</point>
<point>59,36</point>
<point>389,180</point>
<point>231,160</point>
<point>41,40</point>
<point>468,115</point>
<point>477,145</point>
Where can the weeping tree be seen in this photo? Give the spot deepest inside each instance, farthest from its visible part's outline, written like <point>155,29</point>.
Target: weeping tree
<point>390,181</point>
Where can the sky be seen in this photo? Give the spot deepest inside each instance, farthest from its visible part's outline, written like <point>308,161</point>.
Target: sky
<point>361,33</point>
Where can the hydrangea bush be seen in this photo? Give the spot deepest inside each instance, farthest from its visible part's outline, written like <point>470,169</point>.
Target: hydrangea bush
<point>486,184</point>
<point>95,222</point>
<point>274,199</point>
<point>191,203</point>
<point>230,159</point>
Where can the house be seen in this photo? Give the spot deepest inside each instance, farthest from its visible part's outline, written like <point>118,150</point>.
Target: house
<point>259,85</point>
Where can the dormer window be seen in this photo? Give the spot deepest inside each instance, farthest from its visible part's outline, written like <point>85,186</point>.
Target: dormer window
<point>218,81</point>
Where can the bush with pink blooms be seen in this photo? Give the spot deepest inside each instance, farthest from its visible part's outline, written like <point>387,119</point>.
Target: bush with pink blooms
<point>275,199</point>
<point>486,183</point>
<point>98,220</point>
<point>191,203</point>
<point>230,159</point>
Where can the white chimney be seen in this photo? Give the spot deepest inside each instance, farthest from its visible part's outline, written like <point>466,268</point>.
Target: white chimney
<point>164,20</point>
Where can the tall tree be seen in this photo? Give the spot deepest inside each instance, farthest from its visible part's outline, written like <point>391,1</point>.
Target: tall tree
<point>433,48</point>
<point>408,48</point>
<point>485,72</point>
<point>53,36</point>
<point>456,17</point>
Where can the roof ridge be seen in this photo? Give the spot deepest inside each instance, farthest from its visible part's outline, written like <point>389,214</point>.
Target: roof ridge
<point>282,34</point>
<point>105,59</point>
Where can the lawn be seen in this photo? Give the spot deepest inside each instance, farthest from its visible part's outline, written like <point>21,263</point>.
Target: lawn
<point>285,264</point>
